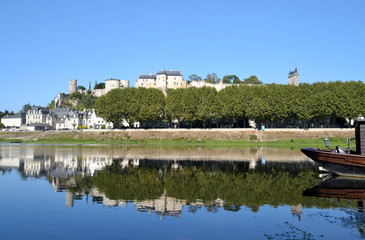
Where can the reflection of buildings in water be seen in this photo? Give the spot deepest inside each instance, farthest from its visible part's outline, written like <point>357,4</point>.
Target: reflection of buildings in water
<point>296,210</point>
<point>163,206</point>
<point>97,196</point>
<point>94,158</point>
<point>65,161</point>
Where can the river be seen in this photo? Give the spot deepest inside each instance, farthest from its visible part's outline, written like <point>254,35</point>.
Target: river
<point>154,192</point>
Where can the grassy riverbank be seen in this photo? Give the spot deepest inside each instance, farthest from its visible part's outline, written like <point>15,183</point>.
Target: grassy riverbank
<point>284,138</point>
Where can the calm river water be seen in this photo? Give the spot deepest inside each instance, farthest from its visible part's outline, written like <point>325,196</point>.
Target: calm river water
<point>136,192</point>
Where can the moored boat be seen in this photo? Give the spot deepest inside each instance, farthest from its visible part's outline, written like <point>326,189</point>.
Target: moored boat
<point>346,164</point>
<point>342,161</point>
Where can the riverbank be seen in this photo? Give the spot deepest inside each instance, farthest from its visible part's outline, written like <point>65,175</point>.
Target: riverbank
<point>246,137</point>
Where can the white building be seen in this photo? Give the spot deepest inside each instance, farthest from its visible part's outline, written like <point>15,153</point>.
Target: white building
<point>37,115</point>
<point>13,121</point>
<point>92,121</point>
<point>163,80</point>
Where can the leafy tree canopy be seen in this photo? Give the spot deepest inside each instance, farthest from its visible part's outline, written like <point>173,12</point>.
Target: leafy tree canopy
<point>81,87</point>
<point>194,77</point>
<point>212,78</point>
<point>26,107</point>
<point>252,80</point>
<point>99,86</point>
<point>231,79</point>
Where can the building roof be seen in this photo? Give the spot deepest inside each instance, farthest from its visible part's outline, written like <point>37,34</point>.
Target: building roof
<point>295,72</point>
<point>39,125</point>
<point>169,73</point>
<point>13,116</point>
<point>147,76</point>
<point>37,108</point>
<point>61,112</point>
<point>163,71</point>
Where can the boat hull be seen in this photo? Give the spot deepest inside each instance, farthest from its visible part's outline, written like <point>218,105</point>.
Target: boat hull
<point>338,187</point>
<point>340,164</point>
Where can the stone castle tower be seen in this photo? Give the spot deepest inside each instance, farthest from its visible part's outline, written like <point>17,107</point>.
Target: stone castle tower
<point>72,86</point>
<point>293,77</point>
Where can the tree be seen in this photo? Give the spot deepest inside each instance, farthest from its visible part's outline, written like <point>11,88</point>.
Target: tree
<point>110,107</point>
<point>81,87</point>
<point>204,110</point>
<point>231,79</point>
<point>194,77</point>
<point>190,100</point>
<point>230,104</point>
<point>26,107</point>
<point>174,105</point>
<point>51,105</point>
<point>75,95</point>
<point>2,125</point>
<point>99,85</point>
<point>212,78</point>
<point>252,80</point>
<point>151,103</point>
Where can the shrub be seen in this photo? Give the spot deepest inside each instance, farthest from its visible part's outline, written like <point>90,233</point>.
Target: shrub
<point>253,137</point>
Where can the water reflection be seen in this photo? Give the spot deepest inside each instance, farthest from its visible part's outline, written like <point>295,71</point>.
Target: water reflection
<point>256,193</point>
<point>164,180</point>
<point>342,188</point>
<point>64,161</point>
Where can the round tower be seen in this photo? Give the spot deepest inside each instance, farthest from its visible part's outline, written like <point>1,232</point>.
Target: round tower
<point>72,86</point>
<point>111,84</point>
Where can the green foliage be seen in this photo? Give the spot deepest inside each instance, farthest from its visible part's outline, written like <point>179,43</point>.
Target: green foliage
<point>133,183</point>
<point>234,104</point>
<point>103,127</point>
<point>212,78</point>
<point>204,111</point>
<point>252,80</point>
<point>231,79</point>
<point>233,184</point>
<point>86,102</point>
<point>82,127</point>
<point>51,105</point>
<point>2,125</point>
<point>81,87</point>
<point>75,95</point>
<point>174,106</point>
<point>131,105</point>
<point>26,107</point>
<point>253,137</point>
<point>99,86</point>
<point>194,77</point>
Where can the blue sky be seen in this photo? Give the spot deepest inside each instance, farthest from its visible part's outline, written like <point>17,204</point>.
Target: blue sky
<point>45,43</point>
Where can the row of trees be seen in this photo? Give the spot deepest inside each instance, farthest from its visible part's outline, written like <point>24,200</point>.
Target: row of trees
<point>274,103</point>
<point>213,78</point>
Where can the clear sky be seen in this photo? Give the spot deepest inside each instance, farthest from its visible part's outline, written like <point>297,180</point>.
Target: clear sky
<point>45,43</point>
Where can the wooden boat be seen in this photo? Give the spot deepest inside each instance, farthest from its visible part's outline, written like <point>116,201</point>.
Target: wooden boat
<point>347,164</point>
<point>343,162</point>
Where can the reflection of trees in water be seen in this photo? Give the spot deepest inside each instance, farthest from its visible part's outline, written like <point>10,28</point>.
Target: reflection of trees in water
<point>212,184</point>
<point>129,183</point>
<point>206,184</point>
